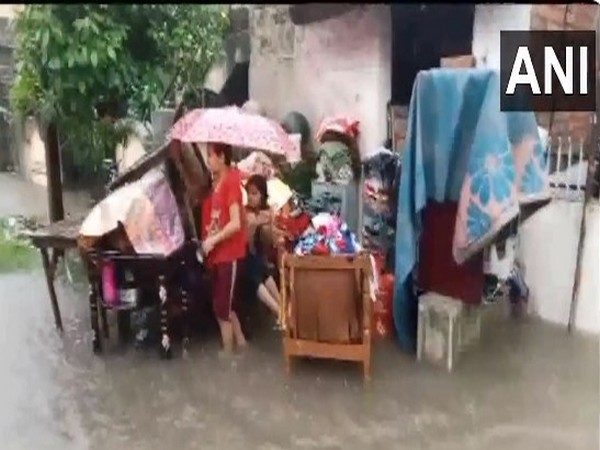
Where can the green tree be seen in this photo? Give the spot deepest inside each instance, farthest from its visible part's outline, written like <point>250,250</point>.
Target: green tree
<point>82,67</point>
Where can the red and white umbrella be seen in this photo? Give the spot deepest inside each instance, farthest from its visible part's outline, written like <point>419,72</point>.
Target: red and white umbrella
<point>234,127</point>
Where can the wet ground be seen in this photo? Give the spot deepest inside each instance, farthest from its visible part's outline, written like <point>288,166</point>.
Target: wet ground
<point>526,386</point>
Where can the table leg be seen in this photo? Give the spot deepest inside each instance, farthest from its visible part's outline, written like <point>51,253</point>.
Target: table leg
<point>186,323</point>
<point>93,298</point>
<point>50,283</point>
<point>185,309</point>
<point>165,342</point>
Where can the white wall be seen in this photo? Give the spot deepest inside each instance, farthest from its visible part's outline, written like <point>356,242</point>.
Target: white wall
<point>10,11</point>
<point>489,20</point>
<point>337,66</point>
<point>548,250</point>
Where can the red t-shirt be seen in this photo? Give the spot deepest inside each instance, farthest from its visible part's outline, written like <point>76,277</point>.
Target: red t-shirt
<point>215,215</point>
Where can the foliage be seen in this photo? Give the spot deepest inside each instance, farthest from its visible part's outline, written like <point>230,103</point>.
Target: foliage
<point>15,252</point>
<point>84,65</point>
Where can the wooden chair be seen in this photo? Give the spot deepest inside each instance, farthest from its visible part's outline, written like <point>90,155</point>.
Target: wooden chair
<point>326,308</point>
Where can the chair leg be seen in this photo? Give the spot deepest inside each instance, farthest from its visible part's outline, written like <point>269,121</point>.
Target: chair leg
<point>287,358</point>
<point>288,364</point>
<point>367,368</point>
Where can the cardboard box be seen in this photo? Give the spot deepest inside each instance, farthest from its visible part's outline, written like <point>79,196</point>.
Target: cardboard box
<point>458,62</point>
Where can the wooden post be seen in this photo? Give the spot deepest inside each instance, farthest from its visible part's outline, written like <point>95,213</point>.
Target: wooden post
<point>53,172</point>
<point>582,227</point>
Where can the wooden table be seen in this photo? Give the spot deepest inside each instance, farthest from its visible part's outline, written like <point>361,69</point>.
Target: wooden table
<point>156,271</point>
<point>52,241</point>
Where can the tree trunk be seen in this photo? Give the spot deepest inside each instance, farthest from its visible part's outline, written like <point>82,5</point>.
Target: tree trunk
<point>54,186</point>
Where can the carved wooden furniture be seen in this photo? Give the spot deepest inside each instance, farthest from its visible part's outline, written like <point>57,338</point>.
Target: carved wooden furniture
<point>165,274</point>
<point>327,308</point>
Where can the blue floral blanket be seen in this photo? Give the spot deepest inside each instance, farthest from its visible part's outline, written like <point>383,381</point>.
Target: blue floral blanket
<point>461,147</point>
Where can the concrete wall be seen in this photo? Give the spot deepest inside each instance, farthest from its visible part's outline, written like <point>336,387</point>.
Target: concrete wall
<point>32,155</point>
<point>548,250</point>
<point>342,65</point>
<point>338,66</point>
<point>9,11</point>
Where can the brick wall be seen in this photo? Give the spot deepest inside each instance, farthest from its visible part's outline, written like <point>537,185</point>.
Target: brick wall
<point>579,17</point>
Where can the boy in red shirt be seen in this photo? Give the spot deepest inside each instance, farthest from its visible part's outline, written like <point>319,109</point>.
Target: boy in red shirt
<point>224,242</point>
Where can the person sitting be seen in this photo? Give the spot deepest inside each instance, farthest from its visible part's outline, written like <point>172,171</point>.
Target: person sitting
<point>259,218</point>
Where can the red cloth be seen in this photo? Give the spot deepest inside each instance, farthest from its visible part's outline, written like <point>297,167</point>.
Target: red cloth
<point>225,288</point>
<point>215,215</point>
<point>438,272</point>
<point>383,318</point>
<point>294,226</point>
<point>344,125</point>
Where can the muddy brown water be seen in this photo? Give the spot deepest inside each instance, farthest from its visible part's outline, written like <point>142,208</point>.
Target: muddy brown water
<point>528,385</point>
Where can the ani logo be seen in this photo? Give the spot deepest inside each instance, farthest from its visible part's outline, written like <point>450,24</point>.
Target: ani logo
<point>548,70</point>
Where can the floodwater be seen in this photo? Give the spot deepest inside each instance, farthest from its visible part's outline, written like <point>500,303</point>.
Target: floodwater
<point>527,385</point>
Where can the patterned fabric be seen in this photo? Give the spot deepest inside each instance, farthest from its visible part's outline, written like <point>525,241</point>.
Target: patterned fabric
<point>234,127</point>
<point>461,147</point>
<point>299,178</point>
<point>379,205</point>
<point>334,164</point>
<point>326,202</point>
<point>257,163</point>
<point>338,124</point>
<point>148,211</point>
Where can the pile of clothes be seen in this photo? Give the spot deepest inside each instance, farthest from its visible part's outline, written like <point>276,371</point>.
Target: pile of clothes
<point>337,148</point>
<point>381,170</point>
<point>327,235</point>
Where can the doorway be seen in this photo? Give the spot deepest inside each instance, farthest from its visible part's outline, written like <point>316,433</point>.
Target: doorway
<point>422,35</point>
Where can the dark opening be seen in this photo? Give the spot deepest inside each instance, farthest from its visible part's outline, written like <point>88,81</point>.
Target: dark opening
<point>235,89</point>
<point>421,36</point>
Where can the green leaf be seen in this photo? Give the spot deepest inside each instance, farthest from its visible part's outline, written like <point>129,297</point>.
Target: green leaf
<point>81,86</point>
<point>111,53</point>
<point>54,63</point>
<point>45,38</point>
<point>94,58</point>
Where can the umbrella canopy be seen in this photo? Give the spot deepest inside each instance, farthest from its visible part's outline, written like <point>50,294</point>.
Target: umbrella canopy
<point>234,127</point>
<point>148,211</point>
